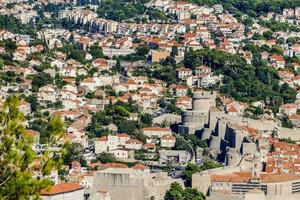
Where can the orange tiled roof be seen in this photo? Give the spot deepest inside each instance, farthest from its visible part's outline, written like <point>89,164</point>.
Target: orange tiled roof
<point>140,167</point>
<point>103,139</point>
<point>61,188</point>
<point>168,137</point>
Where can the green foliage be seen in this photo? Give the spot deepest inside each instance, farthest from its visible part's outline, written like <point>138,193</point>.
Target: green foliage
<point>127,126</point>
<point>166,73</point>
<point>142,50</point>
<point>34,103</point>
<point>292,40</point>
<point>14,25</point>
<point>119,10</point>
<point>192,168</point>
<point>8,77</point>
<point>78,55</point>
<point>18,159</point>
<point>59,82</point>
<point>242,81</point>
<point>287,140</point>
<point>10,45</point>
<point>106,157</point>
<point>74,153</point>
<point>146,119</point>
<point>46,127</point>
<point>286,122</point>
<point>176,192</point>
<point>189,141</point>
<point>96,51</point>
<point>253,111</point>
<point>117,114</point>
<point>41,79</point>
<point>155,14</point>
<point>251,7</point>
<point>278,26</point>
<point>174,51</point>
<point>272,148</point>
<point>268,35</point>
<point>74,51</point>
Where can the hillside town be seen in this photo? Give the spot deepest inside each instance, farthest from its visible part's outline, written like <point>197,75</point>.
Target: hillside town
<point>149,100</point>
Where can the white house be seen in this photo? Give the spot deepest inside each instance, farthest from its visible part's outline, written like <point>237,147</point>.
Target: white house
<point>122,153</point>
<point>68,71</point>
<point>167,141</point>
<point>89,83</point>
<point>47,93</point>
<point>133,144</point>
<point>58,63</point>
<point>288,109</point>
<point>111,142</point>
<point>156,132</point>
<point>25,107</point>
<point>63,191</point>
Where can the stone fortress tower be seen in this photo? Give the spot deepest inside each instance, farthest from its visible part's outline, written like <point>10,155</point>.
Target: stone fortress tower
<point>228,141</point>
<point>195,119</point>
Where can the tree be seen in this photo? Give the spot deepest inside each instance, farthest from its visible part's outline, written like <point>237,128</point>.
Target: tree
<point>74,152</point>
<point>96,51</point>
<point>118,66</point>
<point>176,192</point>
<point>142,50</point>
<point>59,82</point>
<point>268,35</point>
<point>286,122</point>
<point>192,168</point>
<point>106,157</point>
<point>34,103</point>
<point>174,51</point>
<point>126,126</point>
<point>41,79</point>
<point>287,93</point>
<point>146,119</point>
<point>10,45</point>
<point>18,159</point>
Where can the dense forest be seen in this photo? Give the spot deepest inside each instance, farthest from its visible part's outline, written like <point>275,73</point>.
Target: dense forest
<point>242,81</point>
<point>251,7</point>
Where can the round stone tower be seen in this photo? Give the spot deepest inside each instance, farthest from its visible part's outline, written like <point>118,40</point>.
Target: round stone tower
<point>202,101</point>
<point>233,157</point>
<point>195,119</point>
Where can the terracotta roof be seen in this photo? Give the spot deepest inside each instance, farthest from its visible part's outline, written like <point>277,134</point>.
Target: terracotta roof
<point>75,163</point>
<point>140,167</point>
<point>131,81</point>
<point>133,141</point>
<point>103,139</point>
<point>149,145</point>
<point>274,178</point>
<point>232,109</point>
<point>202,67</point>
<point>294,116</point>
<point>123,135</point>
<point>97,164</point>
<point>277,58</point>
<point>183,70</point>
<point>234,177</point>
<point>88,80</point>
<point>180,87</point>
<point>32,133</point>
<point>168,137</point>
<point>61,188</point>
<point>288,105</point>
<point>114,165</point>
